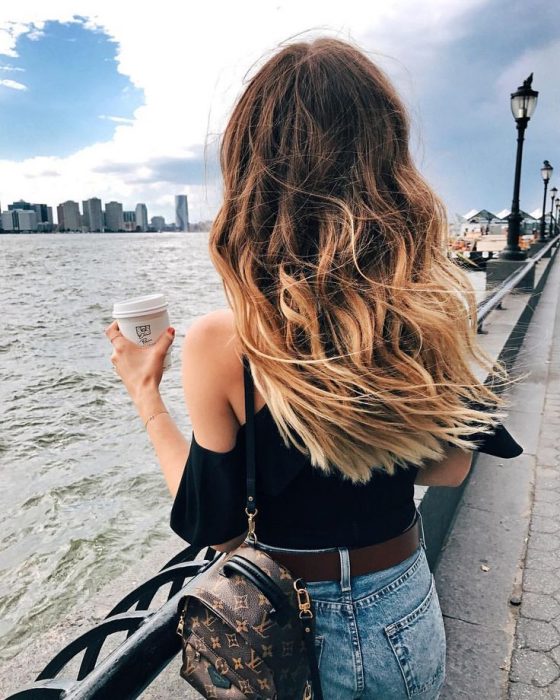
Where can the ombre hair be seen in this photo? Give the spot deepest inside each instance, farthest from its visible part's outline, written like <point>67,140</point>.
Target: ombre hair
<point>332,248</point>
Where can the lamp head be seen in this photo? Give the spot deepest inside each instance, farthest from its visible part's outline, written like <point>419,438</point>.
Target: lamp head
<point>524,100</point>
<point>546,171</point>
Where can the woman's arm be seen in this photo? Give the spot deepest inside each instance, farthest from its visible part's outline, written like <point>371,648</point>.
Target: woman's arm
<point>210,368</point>
<point>170,445</point>
<point>141,371</point>
<point>450,471</point>
<point>205,378</point>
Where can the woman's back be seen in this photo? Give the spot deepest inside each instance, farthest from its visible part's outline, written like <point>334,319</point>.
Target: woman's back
<point>360,335</point>
<point>300,506</point>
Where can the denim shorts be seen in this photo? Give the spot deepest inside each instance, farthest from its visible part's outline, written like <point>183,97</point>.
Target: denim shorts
<point>381,635</point>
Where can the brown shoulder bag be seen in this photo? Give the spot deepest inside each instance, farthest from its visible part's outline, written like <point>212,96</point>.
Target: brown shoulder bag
<point>247,625</point>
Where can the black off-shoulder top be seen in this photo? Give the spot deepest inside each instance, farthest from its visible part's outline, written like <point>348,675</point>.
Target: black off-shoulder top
<point>299,506</point>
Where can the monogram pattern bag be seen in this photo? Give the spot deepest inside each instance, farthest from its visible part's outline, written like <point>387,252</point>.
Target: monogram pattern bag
<point>247,625</point>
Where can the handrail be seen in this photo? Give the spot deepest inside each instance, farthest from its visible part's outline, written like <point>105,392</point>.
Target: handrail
<point>494,299</point>
<point>150,645</point>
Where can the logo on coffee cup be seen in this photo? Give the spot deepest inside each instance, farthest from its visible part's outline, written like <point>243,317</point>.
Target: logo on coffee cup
<point>143,333</point>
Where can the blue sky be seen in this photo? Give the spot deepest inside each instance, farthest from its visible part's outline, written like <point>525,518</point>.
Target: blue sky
<point>72,85</point>
<point>466,116</point>
<point>109,104</point>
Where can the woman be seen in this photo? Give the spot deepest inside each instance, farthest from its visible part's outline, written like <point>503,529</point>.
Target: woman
<point>361,339</point>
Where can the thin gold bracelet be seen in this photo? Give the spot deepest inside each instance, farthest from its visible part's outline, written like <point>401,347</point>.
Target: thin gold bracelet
<point>153,416</point>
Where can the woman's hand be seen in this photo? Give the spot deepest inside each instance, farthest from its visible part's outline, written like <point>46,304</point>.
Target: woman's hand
<point>140,368</point>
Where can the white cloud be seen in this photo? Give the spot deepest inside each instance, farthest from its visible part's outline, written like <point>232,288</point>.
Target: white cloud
<point>190,61</point>
<point>15,21</point>
<point>118,120</point>
<point>13,84</point>
<point>13,69</point>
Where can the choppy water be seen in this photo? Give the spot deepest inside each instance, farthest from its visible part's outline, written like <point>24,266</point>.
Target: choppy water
<point>82,495</point>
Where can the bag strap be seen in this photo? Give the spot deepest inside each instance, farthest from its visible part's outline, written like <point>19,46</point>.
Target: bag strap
<point>309,641</point>
<point>251,511</point>
<point>251,504</point>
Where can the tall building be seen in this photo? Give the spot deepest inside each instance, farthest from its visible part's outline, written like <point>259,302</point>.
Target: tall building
<point>19,220</point>
<point>158,223</point>
<point>129,220</point>
<point>114,218</point>
<point>42,211</point>
<point>69,218</point>
<point>141,217</point>
<point>93,214</point>
<point>21,204</point>
<point>181,212</point>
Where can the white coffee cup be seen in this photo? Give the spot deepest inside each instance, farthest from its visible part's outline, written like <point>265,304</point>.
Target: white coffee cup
<point>143,319</point>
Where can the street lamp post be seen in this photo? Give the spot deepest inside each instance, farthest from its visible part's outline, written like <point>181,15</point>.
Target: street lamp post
<point>557,215</point>
<point>553,193</point>
<point>523,103</point>
<point>546,172</point>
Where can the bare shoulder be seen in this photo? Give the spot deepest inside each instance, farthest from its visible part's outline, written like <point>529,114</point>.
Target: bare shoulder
<point>213,334</point>
<point>210,370</point>
<point>218,319</point>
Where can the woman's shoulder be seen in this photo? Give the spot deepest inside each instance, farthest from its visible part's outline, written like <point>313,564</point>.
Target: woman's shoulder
<point>213,336</point>
<point>206,326</point>
<point>212,377</point>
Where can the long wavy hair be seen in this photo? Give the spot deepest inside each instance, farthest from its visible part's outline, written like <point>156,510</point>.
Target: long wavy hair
<point>332,248</point>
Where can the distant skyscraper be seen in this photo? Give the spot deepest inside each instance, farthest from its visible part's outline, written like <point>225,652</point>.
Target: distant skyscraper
<point>129,220</point>
<point>19,220</point>
<point>93,214</point>
<point>158,222</point>
<point>20,204</point>
<point>181,212</point>
<point>42,211</point>
<point>69,216</point>
<point>114,218</point>
<point>141,217</point>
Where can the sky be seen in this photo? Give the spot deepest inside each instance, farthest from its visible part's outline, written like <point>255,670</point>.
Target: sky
<point>128,101</point>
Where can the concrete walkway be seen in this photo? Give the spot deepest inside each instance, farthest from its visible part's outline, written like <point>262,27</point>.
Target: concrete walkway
<point>535,668</point>
<point>498,576</point>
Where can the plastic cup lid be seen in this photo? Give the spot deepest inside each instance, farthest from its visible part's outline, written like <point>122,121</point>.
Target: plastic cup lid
<point>151,303</point>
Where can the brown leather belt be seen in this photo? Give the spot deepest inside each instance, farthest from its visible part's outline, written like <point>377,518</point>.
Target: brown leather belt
<point>325,566</point>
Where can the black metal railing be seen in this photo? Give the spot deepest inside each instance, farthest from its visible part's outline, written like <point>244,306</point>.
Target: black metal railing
<point>151,641</point>
<point>494,300</point>
<point>150,644</point>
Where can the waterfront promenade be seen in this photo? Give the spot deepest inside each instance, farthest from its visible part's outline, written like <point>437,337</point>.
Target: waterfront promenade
<point>498,573</point>
<point>498,576</point>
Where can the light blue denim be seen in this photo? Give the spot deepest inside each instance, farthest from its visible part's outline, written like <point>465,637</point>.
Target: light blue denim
<point>380,636</point>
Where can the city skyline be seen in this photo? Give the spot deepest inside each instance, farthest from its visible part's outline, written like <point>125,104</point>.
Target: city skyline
<point>128,133</point>
<point>22,215</point>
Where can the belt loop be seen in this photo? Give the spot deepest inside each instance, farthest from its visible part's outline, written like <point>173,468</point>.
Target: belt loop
<point>344,569</point>
<point>421,529</point>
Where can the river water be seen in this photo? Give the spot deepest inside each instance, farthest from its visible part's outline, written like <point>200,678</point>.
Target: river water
<point>82,495</point>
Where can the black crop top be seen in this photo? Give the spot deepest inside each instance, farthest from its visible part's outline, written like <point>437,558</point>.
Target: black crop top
<point>298,505</point>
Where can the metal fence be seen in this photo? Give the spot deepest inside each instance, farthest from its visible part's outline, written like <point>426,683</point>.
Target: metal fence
<point>151,641</point>
<point>494,300</point>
